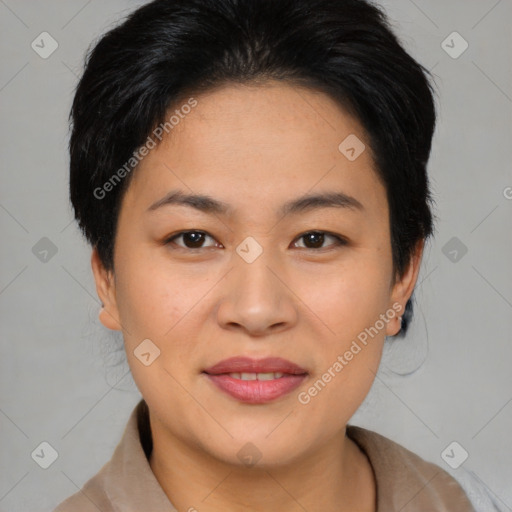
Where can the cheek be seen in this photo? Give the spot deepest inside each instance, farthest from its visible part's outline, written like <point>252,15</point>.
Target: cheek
<point>351,297</point>
<point>350,304</point>
<point>157,305</point>
<point>349,358</point>
<point>167,304</point>
<point>152,299</point>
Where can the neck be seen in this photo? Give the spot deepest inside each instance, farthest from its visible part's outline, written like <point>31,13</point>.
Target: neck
<point>337,477</point>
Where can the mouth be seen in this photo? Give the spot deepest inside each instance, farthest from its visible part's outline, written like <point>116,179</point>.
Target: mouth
<point>256,381</point>
<point>246,365</point>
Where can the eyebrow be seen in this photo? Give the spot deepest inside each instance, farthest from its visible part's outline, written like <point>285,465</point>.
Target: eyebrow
<point>308,202</point>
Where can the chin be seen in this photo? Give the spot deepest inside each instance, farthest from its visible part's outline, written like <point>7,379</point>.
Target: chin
<point>256,449</point>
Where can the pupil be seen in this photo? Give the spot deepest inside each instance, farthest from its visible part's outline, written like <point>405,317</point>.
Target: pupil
<point>194,237</point>
<point>316,239</point>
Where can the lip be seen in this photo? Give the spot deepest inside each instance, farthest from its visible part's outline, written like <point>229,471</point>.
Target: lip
<point>241,364</point>
<point>256,391</point>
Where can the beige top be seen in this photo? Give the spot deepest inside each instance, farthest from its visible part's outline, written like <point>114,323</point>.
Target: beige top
<point>405,482</point>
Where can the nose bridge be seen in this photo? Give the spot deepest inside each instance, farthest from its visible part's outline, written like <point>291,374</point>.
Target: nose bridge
<point>255,277</point>
<point>256,299</point>
<point>255,283</point>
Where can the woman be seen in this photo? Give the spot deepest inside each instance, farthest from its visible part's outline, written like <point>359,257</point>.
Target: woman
<point>252,178</point>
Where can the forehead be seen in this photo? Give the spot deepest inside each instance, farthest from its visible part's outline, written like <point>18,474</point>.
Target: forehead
<point>262,142</point>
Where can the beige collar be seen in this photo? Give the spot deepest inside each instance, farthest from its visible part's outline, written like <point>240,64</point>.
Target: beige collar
<point>405,482</point>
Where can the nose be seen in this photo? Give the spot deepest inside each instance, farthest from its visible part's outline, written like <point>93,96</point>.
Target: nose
<point>257,299</point>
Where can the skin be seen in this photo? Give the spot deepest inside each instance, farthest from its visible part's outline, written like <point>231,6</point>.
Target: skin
<point>255,148</point>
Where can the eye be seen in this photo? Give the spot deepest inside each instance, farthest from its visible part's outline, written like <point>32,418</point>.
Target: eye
<point>195,239</point>
<point>315,239</point>
<point>191,239</point>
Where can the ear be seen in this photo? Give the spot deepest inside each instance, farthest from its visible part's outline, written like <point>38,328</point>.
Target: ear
<point>403,288</point>
<point>105,288</point>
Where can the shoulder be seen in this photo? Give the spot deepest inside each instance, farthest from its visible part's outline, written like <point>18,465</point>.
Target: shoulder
<point>404,480</point>
<point>126,482</point>
<point>91,498</point>
<point>482,498</point>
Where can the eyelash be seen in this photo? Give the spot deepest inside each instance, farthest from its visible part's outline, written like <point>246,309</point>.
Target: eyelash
<point>339,241</point>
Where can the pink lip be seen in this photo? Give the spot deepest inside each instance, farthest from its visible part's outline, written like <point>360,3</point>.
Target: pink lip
<point>255,391</point>
<point>247,365</point>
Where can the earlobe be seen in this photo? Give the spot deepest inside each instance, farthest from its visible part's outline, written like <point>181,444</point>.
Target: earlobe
<point>394,326</point>
<point>105,288</point>
<point>108,320</point>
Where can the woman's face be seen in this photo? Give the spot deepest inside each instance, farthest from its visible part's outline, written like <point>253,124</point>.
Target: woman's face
<point>255,282</point>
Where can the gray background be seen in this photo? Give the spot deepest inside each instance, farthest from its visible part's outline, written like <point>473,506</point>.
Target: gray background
<point>59,377</point>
